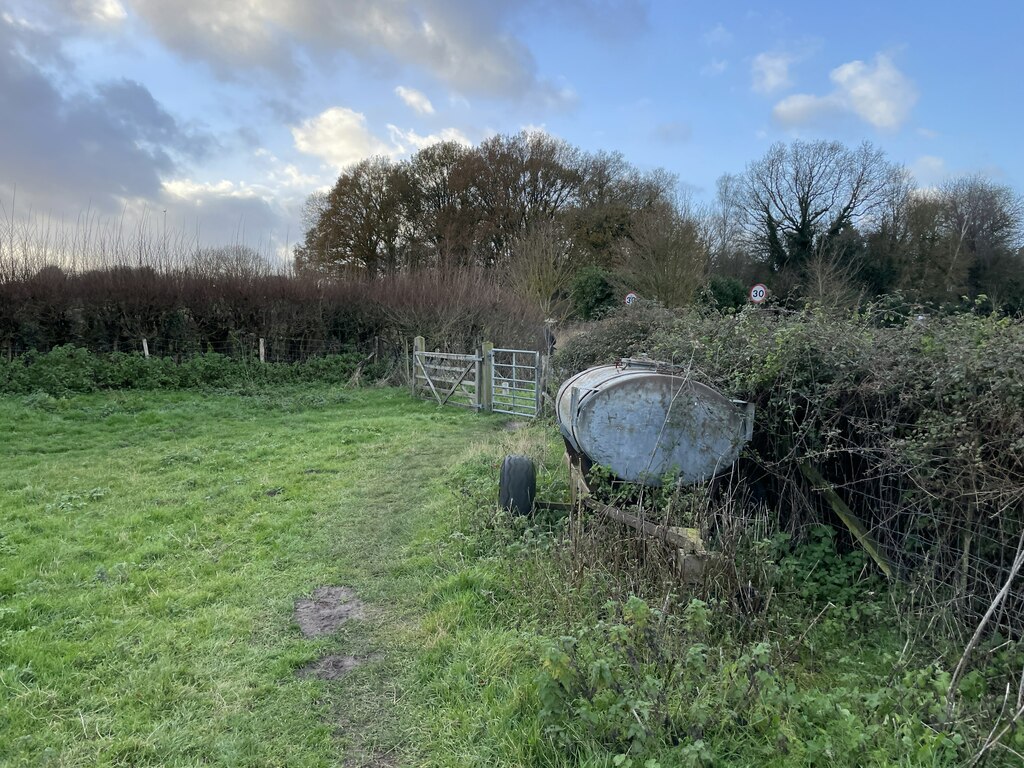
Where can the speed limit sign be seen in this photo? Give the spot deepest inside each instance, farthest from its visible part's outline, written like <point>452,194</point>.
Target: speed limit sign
<point>759,293</point>
<point>631,298</point>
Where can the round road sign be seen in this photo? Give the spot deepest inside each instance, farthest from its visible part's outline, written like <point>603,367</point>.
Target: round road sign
<point>759,293</point>
<point>631,297</point>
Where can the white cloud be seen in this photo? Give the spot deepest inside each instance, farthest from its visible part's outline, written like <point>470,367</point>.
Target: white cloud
<point>468,45</point>
<point>225,211</point>
<point>403,140</point>
<point>714,67</point>
<point>415,100</point>
<point>929,170</point>
<point>717,35</point>
<point>339,136</point>
<point>801,108</point>
<point>291,176</point>
<point>103,11</point>
<point>878,93</point>
<point>195,191</point>
<point>771,72</point>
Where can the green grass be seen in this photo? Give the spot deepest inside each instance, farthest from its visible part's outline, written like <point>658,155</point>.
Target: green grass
<point>153,545</point>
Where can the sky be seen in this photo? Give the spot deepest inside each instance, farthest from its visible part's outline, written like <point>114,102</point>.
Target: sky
<point>220,117</point>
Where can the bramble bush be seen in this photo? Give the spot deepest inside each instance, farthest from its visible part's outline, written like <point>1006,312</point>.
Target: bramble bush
<point>620,662</point>
<point>916,421</point>
<point>648,688</point>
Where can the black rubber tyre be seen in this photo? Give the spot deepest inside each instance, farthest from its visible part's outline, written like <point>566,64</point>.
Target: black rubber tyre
<point>518,485</point>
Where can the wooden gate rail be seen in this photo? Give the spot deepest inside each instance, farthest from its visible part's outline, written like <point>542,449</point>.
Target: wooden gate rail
<point>449,379</point>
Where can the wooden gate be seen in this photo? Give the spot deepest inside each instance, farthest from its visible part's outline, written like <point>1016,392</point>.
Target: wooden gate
<point>448,378</point>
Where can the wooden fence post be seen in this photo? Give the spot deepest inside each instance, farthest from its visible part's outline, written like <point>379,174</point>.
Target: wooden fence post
<point>485,393</point>
<point>145,348</point>
<point>263,351</point>
<point>419,344</point>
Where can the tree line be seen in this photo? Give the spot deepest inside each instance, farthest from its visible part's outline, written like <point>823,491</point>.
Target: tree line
<point>814,220</point>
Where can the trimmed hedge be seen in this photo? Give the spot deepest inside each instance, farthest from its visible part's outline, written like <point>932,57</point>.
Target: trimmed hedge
<point>68,369</point>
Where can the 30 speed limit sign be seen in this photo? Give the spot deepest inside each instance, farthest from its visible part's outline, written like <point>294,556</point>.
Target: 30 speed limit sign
<point>759,293</point>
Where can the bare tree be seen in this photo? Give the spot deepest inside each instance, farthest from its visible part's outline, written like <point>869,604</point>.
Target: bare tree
<point>964,239</point>
<point>542,268</point>
<point>801,198</point>
<point>234,261</point>
<point>359,231</point>
<point>829,282</point>
<point>519,181</point>
<point>665,257</point>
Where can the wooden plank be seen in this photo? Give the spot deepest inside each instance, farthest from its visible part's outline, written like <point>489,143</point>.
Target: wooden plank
<point>455,386</point>
<point>844,513</point>
<point>429,382</point>
<point>487,377</point>
<point>686,539</point>
<point>444,370</point>
<point>417,348</point>
<point>452,356</point>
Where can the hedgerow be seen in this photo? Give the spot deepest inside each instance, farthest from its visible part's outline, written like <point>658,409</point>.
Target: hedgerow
<point>67,370</point>
<point>183,313</point>
<point>916,422</point>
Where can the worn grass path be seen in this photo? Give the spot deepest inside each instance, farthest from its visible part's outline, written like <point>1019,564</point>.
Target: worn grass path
<point>152,547</point>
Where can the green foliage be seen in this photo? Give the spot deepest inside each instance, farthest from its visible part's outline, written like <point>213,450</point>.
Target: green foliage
<point>647,687</point>
<point>626,332</point>
<point>916,420</point>
<point>593,295</point>
<point>66,370</point>
<point>726,293</point>
<point>541,667</point>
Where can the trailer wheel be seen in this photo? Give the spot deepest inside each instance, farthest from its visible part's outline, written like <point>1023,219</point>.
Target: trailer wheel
<point>518,485</point>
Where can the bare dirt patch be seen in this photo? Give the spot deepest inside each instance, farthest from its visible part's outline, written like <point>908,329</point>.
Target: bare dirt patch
<point>326,610</point>
<point>331,667</point>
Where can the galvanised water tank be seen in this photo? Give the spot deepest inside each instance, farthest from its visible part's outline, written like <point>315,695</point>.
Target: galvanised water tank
<point>646,421</point>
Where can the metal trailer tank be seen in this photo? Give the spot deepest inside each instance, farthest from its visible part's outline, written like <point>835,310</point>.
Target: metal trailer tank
<point>646,421</point>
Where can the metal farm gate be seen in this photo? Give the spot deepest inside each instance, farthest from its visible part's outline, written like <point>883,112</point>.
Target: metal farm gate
<point>499,380</point>
<point>515,382</point>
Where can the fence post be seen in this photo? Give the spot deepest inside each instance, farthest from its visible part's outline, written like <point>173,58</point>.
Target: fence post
<point>419,344</point>
<point>145,348</point>
<point>487,377</point>
<point>539,377</point>
<point>263,352</point>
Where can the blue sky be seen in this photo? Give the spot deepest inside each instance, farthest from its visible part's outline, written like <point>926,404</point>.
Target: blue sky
<point>226,114</point>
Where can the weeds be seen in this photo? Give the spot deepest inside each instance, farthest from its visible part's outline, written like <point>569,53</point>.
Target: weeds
<point>794,652</point>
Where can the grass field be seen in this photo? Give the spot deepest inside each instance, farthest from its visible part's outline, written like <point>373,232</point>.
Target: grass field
<point>153,546</point>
